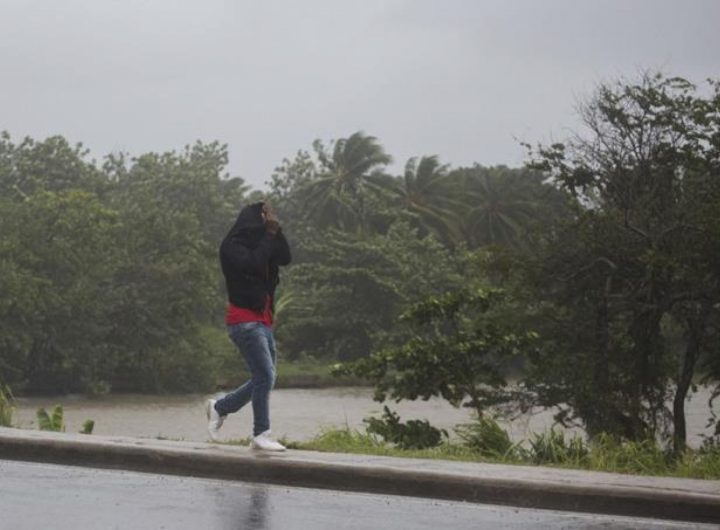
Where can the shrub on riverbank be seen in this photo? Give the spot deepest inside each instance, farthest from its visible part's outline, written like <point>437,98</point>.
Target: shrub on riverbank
<point>54,421</point>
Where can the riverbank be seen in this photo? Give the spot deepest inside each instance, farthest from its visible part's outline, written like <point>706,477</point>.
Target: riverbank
<point>297,414</point>
<point>338,414</point>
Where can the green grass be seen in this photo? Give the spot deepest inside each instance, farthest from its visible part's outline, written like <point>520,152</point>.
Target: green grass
<point>644,458</point>
<point>352,441</point>
<point>647,458</point>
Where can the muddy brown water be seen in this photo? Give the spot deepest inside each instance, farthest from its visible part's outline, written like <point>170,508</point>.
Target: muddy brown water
<point>297,414</point>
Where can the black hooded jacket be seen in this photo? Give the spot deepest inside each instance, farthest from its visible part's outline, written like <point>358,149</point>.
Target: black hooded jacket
<point>250,257</point>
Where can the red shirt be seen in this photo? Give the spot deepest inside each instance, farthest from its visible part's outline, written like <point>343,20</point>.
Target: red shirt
<point>237,315</point>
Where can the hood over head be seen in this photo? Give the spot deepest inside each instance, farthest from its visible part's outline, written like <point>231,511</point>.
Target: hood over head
<point>249,226</point>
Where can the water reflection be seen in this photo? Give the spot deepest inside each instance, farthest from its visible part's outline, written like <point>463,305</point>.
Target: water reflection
<point>257,515</point>
<point>247,512</point>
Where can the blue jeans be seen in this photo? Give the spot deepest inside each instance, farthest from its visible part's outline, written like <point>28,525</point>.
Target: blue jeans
<point>257,345</point>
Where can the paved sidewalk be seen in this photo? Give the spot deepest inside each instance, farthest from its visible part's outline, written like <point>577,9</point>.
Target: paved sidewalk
<point>536,487</point>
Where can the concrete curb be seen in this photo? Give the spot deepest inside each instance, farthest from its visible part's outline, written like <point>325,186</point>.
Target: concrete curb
<point>533,487</point>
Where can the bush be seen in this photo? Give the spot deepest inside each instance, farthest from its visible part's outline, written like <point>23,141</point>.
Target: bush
<point>413,434</point>
<point>551,447</point>
<point>487,438</point>
<point>88,427</point>
<point>51,422</point>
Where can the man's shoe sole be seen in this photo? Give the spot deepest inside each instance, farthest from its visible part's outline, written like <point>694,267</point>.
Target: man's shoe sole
<point>258,448</point>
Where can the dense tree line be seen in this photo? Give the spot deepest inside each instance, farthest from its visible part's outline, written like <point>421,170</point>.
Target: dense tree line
<point>109,276</point>
<point>591,274</point>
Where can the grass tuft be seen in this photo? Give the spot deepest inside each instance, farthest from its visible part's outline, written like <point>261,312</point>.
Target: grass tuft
<point>7,407</point>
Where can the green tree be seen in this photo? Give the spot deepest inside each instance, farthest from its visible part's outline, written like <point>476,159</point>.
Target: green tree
<point>172,209</point>
<point>458,351</point>
<point>50,165</point>
<point>338,195</point>
<point>287,180</point>
<point>108,274</point>
<point>192,181</point>
<point>502,205</point>
<point>57,257</point>
<point>348,289</point>
<point>427,194</point>
<point>639,254</point>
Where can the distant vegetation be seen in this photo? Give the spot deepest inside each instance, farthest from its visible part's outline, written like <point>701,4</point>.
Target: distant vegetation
<point>592,275</point>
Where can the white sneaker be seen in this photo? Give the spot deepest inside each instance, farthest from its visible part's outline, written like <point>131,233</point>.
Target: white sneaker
<point>263,442</point>
<point>215,421</point>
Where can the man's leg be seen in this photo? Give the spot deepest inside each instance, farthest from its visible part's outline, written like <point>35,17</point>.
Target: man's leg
<point>242,395</point>
<point>263,381</point>
<point>258,349</point>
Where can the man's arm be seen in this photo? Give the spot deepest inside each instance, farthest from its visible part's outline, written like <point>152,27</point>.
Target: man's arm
<point>281,249</point>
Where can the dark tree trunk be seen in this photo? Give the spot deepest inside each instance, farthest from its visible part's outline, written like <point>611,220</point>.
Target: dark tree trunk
<point>644,405</point>
<point>601,372</point>
<point>695,333</point>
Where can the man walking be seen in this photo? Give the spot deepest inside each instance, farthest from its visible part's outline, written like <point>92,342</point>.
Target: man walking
<point>250,256</point>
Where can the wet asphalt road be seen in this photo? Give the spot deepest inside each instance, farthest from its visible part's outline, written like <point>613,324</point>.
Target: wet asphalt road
<point>38,496</point>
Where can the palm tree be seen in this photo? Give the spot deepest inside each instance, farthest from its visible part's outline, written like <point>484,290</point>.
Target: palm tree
<point>426,192</point>
<point>337,197</point>
<point>503,203</point>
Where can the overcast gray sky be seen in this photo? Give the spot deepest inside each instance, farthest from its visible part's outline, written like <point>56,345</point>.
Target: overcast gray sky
<point>463,79</point>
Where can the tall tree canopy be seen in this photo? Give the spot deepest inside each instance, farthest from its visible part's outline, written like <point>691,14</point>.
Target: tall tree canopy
<point>633,276</point>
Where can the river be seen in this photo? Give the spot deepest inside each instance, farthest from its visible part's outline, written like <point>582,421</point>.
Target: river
<point>297,414</point>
